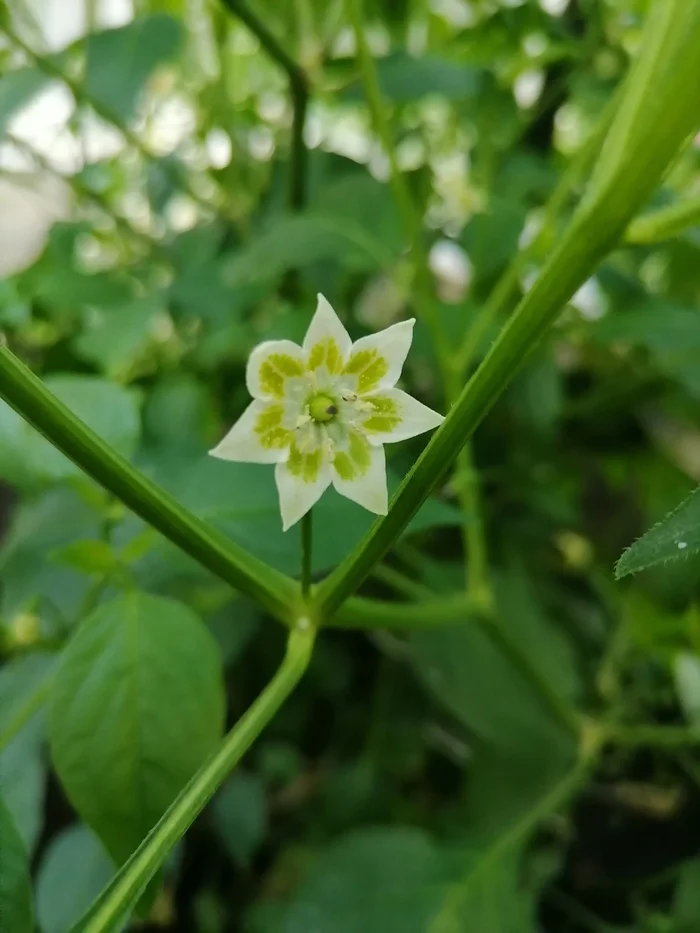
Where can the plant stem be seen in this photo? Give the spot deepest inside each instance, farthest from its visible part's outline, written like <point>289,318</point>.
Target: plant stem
<point>111,908</point>
<point>298,89</point>
<point>664,224</point>
<point>361,613</point>
<point>33,401</point>
<point>653,736</point>
<point>306,553</point>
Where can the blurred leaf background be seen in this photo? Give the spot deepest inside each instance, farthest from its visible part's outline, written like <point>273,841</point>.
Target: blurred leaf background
<point>147,242</point>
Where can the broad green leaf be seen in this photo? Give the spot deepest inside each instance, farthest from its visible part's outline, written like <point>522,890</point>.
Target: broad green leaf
<point>686,671</point>
<point>31,578</point>
<point>17,89</point>
<point>399,879</point>
<point>678,535</point>
<point>72,872</point>
<point>465,668</point>
<point>241,500</point>
<point>239,812</point>
<point>137,705</point>
<point>375,881</point>
<point>23,779</point>
<point>114,338</point>
<point>27,459</point>
<point>686,899</point>
<point>15,889</point>
<point>403,78</point>
<point>89,557</point>
<point>670,332</point>
<point>119,62</point>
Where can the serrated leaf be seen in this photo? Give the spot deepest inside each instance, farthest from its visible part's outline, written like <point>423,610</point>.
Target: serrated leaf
<point>136,707</point>
<point>119,62</point>
<point>678,535</point>
<point>15,889</point>
<point>73,871</point>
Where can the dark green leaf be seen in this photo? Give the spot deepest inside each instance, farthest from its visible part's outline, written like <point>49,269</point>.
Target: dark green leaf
<point>17,88</point>
<point>15,890</point>
<point>686,901</point>
<point>26,459</point>
<point>403,78</point>
<point>119,62</point>
<point>137,706</point>
<point>240,815</point>
<point>73,871</point>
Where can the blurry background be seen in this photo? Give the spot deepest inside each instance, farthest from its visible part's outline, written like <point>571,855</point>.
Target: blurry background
<point>147,241</point>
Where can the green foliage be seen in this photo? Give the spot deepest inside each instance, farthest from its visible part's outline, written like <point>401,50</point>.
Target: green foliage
<point>136,707</point>
<point>507,742</point>
<point>15,889</point>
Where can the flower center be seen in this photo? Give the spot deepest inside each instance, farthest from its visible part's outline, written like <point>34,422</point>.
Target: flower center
<point>322,408</point>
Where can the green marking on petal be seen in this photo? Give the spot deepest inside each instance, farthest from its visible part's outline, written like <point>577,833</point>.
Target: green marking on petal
<point>385,416</point>
<point>270,431</point>
<point>353,463</point>
<point>305,465</point>
<point>369,366</point>
<point>275,369</point>
<point>326,352</point>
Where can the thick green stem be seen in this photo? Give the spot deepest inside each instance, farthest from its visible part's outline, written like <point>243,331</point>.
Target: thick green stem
<point>33,401</point>
<point>652,736</point>
<point>109,911</point>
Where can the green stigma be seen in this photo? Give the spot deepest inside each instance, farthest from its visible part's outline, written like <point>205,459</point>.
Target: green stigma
<point>323,408</point>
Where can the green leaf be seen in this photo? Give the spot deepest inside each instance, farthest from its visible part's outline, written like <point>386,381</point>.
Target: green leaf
<point>404,78</point>
<point>241,500</point>
<point>114,338</point>
<point>686,900</point>
<point>119,62</point>
<point>670,332</point>
<point>375,881</point>
<point>17,89</point>
<point>686,671</point>
<point>137,706</point>
<point>678,535</point>
<point>72,872</point>
<point>465,668</point>
<point>15,889</point>
<point>27,459</point>
<point>23,780</point>
<point>240,815</point>
<point>31,579</point>
<point>90,557</point>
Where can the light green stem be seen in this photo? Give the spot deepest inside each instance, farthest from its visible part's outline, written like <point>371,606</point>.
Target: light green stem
<point>664,224</point>
<point>306,554</point>
<point>654,139</point>
<point>33,401</point>
<point>652,736</point>
<point>111,908</point>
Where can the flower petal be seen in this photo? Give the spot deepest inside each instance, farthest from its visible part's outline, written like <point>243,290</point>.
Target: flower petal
<point>376,361</point>
<point>272,367</point>
<point>261,435</point>
<point>396,416</point>
<point>359,473</point>
<point>326,343</point>
<point>301,482</point>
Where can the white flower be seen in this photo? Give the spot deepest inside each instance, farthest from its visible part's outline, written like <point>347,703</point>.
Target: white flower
<point>321,412</point>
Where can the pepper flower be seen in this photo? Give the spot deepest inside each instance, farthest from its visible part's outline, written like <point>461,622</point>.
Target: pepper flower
<point>323,411</point>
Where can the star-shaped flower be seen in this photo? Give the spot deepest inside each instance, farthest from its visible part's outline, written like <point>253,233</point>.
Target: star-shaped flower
<point>323,411</point>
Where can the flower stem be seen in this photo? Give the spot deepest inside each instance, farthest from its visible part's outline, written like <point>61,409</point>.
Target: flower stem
<point>306,552</point>
<point>108,912</point>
